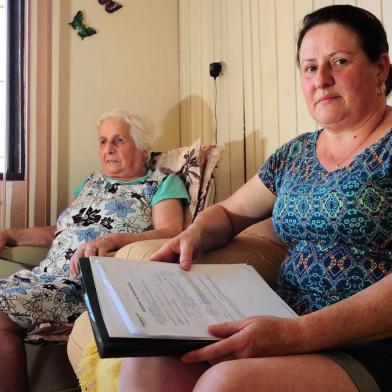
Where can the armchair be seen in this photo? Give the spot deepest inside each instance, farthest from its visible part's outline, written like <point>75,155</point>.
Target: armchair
<point>258,246</point>
<point>196,165</point>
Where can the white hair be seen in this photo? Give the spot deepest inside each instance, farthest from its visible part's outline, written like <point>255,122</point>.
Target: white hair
<point>140,129</point>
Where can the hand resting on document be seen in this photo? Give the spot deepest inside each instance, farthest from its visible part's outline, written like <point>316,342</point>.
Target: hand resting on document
<point>183,248</point>
<point>259,336</point>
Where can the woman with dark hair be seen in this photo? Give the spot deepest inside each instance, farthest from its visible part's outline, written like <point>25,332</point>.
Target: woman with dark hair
<point>329,193</point>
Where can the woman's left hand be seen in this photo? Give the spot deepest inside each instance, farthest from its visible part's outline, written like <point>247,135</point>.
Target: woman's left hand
<point>99,247</point>
<point>260,336</point>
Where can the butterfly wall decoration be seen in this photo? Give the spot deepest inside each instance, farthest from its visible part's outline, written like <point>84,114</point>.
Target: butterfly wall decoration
<point>110,5</point>
<point>78,25</point>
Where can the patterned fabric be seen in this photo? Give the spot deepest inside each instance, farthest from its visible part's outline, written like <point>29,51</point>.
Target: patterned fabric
<point>49,293</point>
<point>196,166</point>
<point>337,225</point>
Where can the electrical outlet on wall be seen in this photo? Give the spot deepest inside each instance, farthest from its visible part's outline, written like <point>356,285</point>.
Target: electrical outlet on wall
<point>216,69</point>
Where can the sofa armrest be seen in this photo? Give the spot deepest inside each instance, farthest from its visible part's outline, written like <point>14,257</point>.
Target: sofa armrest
<point>16,258</point>
<point>262,252</point>
<point>27,255</point>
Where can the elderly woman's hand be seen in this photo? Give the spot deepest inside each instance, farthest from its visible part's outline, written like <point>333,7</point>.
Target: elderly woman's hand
<point>183,249</point>
<point>259,336</point>
<point>99,247</point>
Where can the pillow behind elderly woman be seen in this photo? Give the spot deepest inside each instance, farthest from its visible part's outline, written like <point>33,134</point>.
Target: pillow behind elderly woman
<point>122,203</point>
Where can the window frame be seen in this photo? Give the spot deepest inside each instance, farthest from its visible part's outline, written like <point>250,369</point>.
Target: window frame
<point>15,156</point>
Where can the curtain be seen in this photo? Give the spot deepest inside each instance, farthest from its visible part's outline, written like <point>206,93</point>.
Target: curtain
<point>13,105</point>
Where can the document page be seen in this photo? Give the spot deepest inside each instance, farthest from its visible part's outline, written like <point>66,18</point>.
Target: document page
<point>161,300</point>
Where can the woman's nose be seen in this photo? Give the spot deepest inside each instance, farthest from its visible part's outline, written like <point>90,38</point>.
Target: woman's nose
<point>110,148</point>
<point>324,77</point>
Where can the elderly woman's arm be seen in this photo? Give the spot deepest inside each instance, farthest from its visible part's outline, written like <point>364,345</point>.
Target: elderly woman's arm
<point>168,221</point>
<point>38,236</point>
<point>365,316</point>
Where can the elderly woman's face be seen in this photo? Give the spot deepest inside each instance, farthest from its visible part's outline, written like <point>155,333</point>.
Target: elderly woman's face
<point>339,82</point>
<point>119,156</point>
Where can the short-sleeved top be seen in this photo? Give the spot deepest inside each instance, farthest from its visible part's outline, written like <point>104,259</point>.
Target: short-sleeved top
<point>104,206</point>
<point>337,225</point>
<point>49,293</point>
<point>171,188</point>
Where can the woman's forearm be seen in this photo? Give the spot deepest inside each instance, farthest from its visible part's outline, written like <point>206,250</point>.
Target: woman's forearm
<point>213,224</point>
<point>366,315</point>
<point>214,227</point>
<point>122,239</point>
<point>37,236</point>
<point>221,222</point>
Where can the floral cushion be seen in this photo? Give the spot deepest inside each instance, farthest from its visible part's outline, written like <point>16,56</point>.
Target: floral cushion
<point>196,166</point>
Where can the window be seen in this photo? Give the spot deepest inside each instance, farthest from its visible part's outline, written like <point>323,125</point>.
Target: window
<point>12,113</point>
<point>2,84</point>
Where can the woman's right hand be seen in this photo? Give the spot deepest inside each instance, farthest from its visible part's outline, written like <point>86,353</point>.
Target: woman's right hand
<point>252,337</point>
<point>183,248</point>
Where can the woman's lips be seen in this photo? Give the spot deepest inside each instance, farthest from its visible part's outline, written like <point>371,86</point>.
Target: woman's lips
<point>327,98</point>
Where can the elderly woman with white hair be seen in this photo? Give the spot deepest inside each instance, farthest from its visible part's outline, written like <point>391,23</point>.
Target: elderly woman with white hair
<point>122,203</point>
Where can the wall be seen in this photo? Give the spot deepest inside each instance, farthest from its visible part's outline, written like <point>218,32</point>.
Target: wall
<point>259,99</point>
<point>131,63</point>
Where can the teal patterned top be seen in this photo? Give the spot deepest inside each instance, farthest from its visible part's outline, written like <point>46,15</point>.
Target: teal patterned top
<point>337,225</point>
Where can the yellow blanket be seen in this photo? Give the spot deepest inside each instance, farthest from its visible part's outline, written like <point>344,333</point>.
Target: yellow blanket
<point>96,374</point>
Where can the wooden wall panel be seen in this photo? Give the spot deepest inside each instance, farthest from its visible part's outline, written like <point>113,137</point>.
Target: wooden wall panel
<point>196,69</point>
<point>223,97</point>
<point>207,53</point>
<point>269,80</point>
<point>304,121</point>
<point>234,139</point>
<point>321,3</point>
<point>386,7</point>
<point>286,71</point>
<point>260,104</point>
<point>251,82</point>
<point>371,5</point>
<point>185,75</point>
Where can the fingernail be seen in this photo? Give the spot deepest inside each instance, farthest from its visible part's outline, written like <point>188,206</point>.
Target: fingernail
<point>186,265</point>
<point>185,358</point>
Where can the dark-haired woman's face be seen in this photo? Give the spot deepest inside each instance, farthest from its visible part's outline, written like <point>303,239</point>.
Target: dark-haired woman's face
<point>339,83</point>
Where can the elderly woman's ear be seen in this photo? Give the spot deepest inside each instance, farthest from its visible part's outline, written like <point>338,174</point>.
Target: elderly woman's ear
<point>145,159</point>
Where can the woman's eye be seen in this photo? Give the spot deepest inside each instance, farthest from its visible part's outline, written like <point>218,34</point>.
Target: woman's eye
<point>340,61</point>
<point>309,69</point>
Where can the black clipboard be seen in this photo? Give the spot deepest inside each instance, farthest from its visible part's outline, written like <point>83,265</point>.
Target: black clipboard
<point>109,347</point>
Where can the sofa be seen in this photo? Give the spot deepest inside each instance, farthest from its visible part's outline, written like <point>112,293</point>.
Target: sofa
<point>258,246</point>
